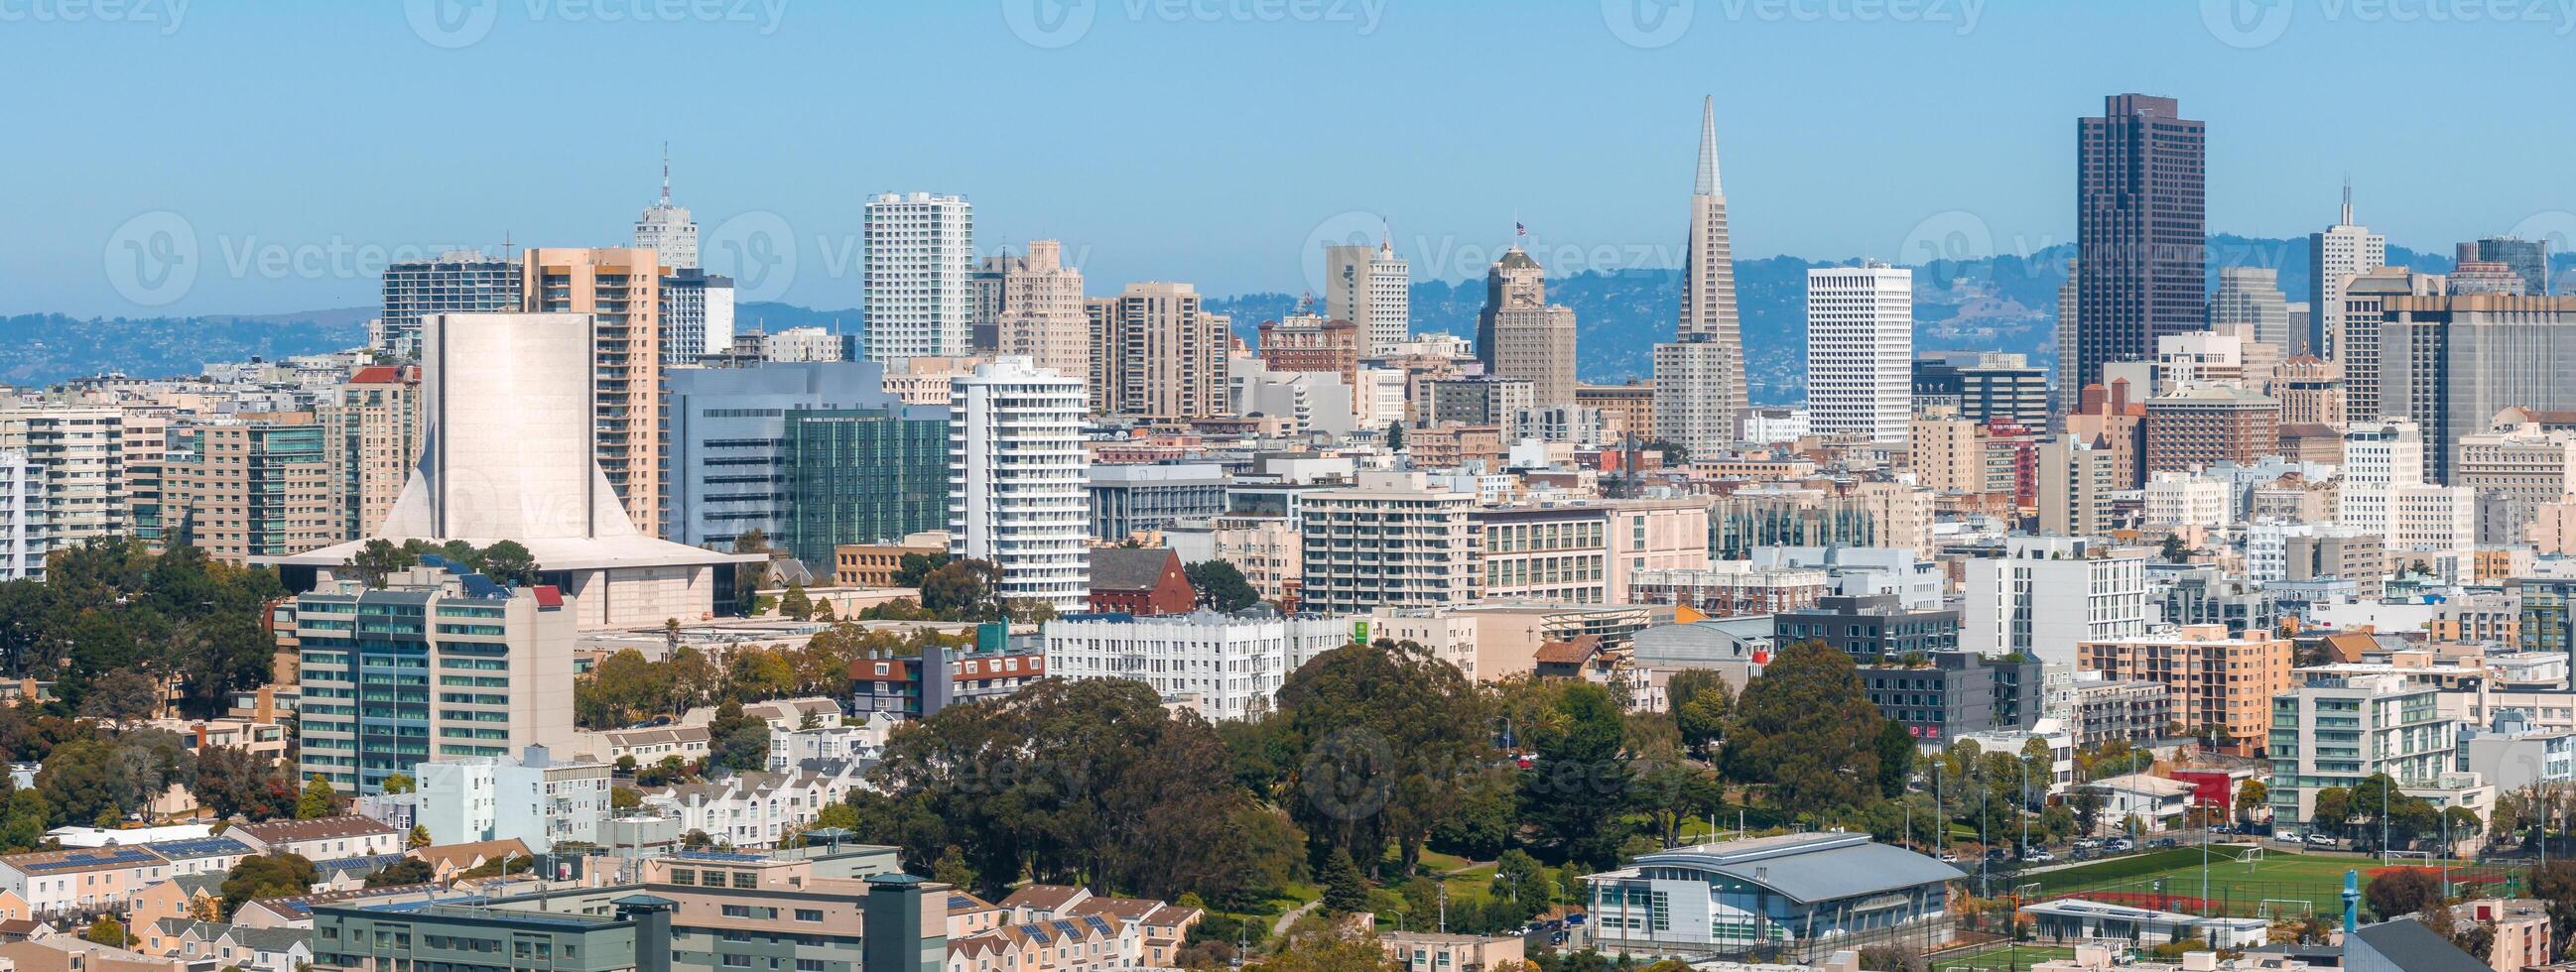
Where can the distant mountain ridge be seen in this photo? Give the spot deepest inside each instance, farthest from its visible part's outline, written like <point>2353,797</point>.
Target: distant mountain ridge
<point>1995,303</point>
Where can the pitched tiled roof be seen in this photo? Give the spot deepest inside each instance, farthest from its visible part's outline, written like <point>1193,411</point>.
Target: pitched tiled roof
<point>1128,568</point>
<point>277,832</point>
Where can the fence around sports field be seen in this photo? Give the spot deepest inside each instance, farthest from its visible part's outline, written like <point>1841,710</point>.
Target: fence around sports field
<point>2171,880</point>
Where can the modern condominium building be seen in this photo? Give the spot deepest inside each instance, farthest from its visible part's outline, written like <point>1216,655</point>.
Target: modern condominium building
<point>2222,684</point>
<point>439,663</point>
<point>1860,350</point>
<point>1015,480</point>
<point>454,282</point>
<point>697,316</point>
<point>920,264</point>
<point>1157,352</point>
<point>22,519</point>
<point>2340,728</point>
<point>621,289</point>
<point>1388,539</point>
<point>1221,666</point>
<point>80,452</point>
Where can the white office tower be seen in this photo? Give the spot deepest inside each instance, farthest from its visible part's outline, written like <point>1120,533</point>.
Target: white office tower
<point>511,454</point>
<point>697,316</point>
<point>2067,392</point>
<point>1016,493</point>
<point>2343,251</point>
<point>1699,377</point>
<point>22,518</point>
<point>920,276</point>
<point>2379,458</point>
<point>1371,287</point>
<point>1860,351</point>
<point>666,229</point>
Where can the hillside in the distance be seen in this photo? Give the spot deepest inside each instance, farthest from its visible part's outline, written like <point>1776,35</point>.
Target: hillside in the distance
<point>2003,303</point>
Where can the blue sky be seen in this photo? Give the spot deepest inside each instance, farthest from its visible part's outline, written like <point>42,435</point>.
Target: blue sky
<point>293,145</point>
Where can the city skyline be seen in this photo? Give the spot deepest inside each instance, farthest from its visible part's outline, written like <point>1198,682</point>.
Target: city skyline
<point>284,213</point>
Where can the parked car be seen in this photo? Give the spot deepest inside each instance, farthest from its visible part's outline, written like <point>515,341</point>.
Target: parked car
<point>2088,843</point>
<point>2039,857</point>
<point>2288,836</point>
<point>2321,840</point>
<point>2120,844</point>
<point>2162,842</point>
<point>1949,857</point>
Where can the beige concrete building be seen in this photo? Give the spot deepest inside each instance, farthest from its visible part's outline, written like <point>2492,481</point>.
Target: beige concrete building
<point>620,288</point>
<point>2076,481</point>
<point>1036,309</point>
<point>1585,554</point>
<point>2310,391</point>
<point>1626,410</point>
<point>371,428</point>
<point>1520,335</point>
<point>1155,351</point>
<point>1944,452</point>
<point>2216,680</point>
<point>927,380</point>
<point>2515,469</point>
<point>255,487</point>
<point>1311,343</point>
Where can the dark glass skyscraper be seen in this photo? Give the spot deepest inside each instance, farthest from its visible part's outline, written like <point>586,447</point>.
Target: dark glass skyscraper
<point>2141,230</point>
<point>2528,258</point>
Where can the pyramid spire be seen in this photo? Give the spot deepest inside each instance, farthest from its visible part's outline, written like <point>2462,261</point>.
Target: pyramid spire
<point>1708,185</point>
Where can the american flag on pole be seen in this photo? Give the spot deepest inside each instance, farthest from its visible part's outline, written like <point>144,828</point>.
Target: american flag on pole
<point>1520,230</point>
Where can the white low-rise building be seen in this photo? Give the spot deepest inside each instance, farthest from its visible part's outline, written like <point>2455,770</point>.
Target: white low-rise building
<point>753,809</point>
<point>841,742</point>
<point>1224,666</point>
<point>533,796</point>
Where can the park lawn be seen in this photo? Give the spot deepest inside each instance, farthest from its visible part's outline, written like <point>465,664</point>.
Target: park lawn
<point>1440,863</point>
<point>2000,959</point>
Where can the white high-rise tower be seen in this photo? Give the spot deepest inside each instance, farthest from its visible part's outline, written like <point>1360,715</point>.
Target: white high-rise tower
<point>1015,480</point>
<point>1699,378</point>
<point>920,276</point>
<point>2343,251</point>
<point>1860,351</point>
<point>666,229</point>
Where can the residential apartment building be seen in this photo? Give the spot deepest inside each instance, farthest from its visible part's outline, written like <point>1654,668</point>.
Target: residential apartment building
<point>2135,712</point>
<point>2049,593</point>
<point>2076,485</point>
<point>533,796</point>
<point>621,289</point>
<point>2222,684</point>
<point>2335,730</point>
<point>455,282</point>
<point>73,884</point>
<point>1871,627</point>
<point>1388,539</point>
<point>80,452</point>
<point>918,687</point>
<point>1127,499</point>
<point>920,258</point>
<point>1220,666</point>
<point>1033,304</point>
<point>1015,488</point>
<point>1731,587</point>
<point>1157,352</point>
<point>23,541</point>
<point>2515,469</point>
<point>1947,694</point>
<point>256,486</point>
<point>371,442</point>
<point>2203,425</point>
<point>451,665</point>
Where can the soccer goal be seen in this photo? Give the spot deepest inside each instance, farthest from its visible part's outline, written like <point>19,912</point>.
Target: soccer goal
<point>2276,908</point>
<point>2424,858</point>
<point>2251,854</point>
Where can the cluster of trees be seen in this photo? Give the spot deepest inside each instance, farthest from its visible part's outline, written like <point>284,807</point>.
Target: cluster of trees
<point>505,561</point>
<point>1091,783</point>
<point>116,621</point>
<point>625,688</point>
<point>1220,585</point>
<point>2377,810</point>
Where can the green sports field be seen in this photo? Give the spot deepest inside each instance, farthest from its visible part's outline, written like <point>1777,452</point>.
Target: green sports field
<point>2234,886</point>
<point>1999,959</point>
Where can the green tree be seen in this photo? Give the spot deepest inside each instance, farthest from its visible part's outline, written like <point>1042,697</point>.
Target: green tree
<point>961,590</point>
<point>2251,797</point>
<point>108,931</point>
<point>266,876</point>
<point>508,562</point>
<point>795,604</point>
<point>317,801</point>
<point>1221,585</point>
<point>1370,740</point>
<point>1895,750</point>
<point>2401,891</point>
<point>409,870</point>
<point>398,783</point>
<point>1573,799</point>
<point>377,560</point>
<point>1806,728</point>
<point>1344,891</point>
<point>736,741</point>
<point>1394,436</point>
<point>913,567</point>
